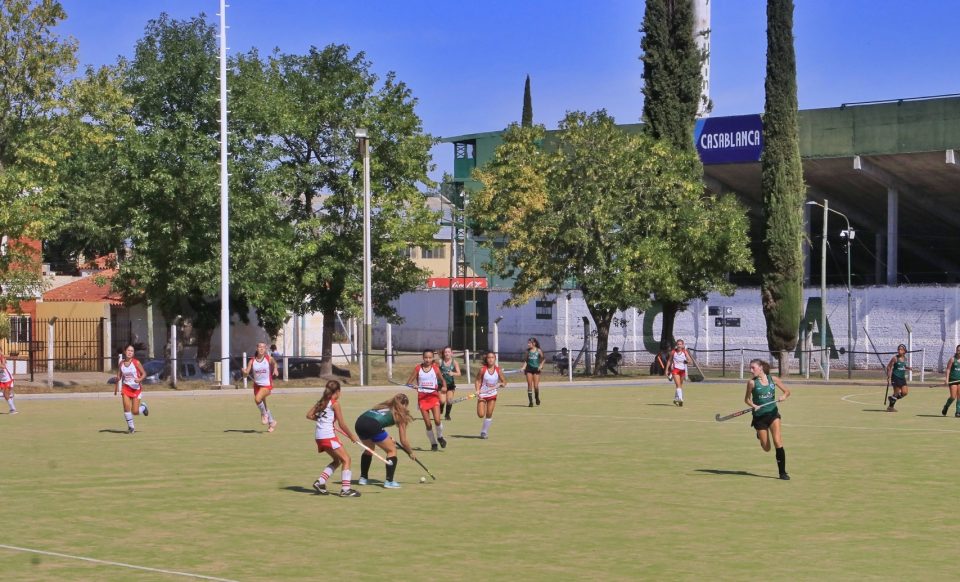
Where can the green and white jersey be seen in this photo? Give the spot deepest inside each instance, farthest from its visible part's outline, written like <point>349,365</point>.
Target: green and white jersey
<point>447,371</point>
<point>533,358</point>
<point>764,394</point>
<point>383,416</point>
<point>955,370</point>
<point>900,368</point>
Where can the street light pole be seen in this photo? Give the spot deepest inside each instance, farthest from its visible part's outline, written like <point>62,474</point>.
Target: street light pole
<point>361,135</point>
<point>824,356</point>
<point>849,235</point>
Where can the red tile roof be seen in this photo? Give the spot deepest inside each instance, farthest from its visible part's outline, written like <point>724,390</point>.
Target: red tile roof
<point>86,289</point>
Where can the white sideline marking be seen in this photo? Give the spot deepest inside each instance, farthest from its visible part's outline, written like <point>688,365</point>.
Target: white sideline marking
<point>121,564</point>
<point>848,398</point>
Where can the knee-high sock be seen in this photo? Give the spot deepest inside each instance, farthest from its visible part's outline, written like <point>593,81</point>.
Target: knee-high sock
<point>486,425</point>
<point>346,474</point>
<point>431,437</point>
<point>530,396</point>
<point>325,475</point>
<point>365,460</point>
<point>13,407</point>
<point>449,408</point>
<point>143,406</point>
<point>440,430</point>
<point>679,395</point>
<point>262,405</point>
<point>129,417</point>
<point>392,467</point>
<point>781,460</point>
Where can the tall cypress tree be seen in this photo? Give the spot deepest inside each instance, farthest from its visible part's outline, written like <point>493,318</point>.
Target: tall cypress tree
<point>527,119</point>
<point>783,190</point>
<point>672,79</point>
<point>672,89</point>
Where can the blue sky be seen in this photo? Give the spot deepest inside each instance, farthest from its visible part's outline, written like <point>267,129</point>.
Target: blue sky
<point>466,61</point>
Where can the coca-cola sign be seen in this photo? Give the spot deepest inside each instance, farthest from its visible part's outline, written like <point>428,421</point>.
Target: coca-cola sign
<point>457,283</point>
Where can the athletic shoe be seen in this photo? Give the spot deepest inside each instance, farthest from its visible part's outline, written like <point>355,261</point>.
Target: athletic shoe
<point>434,448</point>
<point>443,442</point>
<point>538,401</point>
<point>362,481</point>
<point>944,411</point>
<point>146,411</point>
<point>957,415</point>
<point>676,402</point>
<point>273,425</point>
<point>349,493</point>
<point>784,476</point>
<point>483,435</point>
<point>14,412</point>
<point>891,409</point>
<point>680,403</point>
<point>530,405</point>
<point>391,485</point>
<point>263,419</point>
<point>447,417</point>
<point>131,430</point>
<point>320,488</point>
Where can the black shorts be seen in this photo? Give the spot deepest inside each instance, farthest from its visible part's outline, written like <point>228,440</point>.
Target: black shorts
<point>898,382</point>
<point>528,370</point>
<point>764,421</point>
<point>367,428</point>
<point>451,386</point>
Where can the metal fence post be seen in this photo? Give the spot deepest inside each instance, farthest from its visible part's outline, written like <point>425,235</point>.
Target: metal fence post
<point>466,359</point>
<point>741,363</point>
<point>50,350</point>
<point>923,364</point>
<point>173,354</point>
<point>388,351</point>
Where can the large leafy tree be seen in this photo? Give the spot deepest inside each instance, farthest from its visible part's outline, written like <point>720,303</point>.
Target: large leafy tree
<point>301,112</point>
<point>167,192</point>
<point>782,187</point>
<point>596,207</point>
<point>34,61</point>
<point>714,244</point>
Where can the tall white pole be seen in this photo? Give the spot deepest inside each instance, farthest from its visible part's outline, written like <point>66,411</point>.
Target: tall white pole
<point>701,35</point>
<point>824,356</point>
<point>367,258</point>
<point>224,205</point>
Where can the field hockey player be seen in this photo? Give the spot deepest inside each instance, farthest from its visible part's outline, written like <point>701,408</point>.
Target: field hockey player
<point>952,381</point>
<point>129,377</point>
<point>762,397</point>
<point>264,370</point>
<point>534,365</point>
<point>430,384</point>
<point>897,377</point>
<point>6,382</point>
<point>451,371</point>
<point>326,412</point>
<point>489,381</point>
<point>677,369</point>
<point>371,428</point>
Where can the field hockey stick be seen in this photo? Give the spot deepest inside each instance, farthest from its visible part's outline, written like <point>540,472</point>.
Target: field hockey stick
<point>422,466</point>
<point>462,398</point>
<point>366,448</point>
<point>887,391</point>
<point>719,418</point>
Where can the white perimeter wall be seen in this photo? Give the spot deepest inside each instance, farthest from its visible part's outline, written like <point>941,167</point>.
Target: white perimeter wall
<point>932,312</point>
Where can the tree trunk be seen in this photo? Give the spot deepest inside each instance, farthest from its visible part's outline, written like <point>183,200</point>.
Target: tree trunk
<point>670,310</point>
<point>204,339</point>
<point>783,363</point>
<point>602,318</point>
<point>326,350</point>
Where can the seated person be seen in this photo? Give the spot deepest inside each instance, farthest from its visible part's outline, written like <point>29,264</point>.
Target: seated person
<point>613,361</point>
<point>561,359</point>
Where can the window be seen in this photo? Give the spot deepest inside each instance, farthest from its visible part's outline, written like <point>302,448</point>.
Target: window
<point>20,328</point>
<point>435,252</point>
<point>544,309</point>
<point>409,252</point>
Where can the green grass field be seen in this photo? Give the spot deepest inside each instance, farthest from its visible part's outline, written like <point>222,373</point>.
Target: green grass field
<point>599,482</point>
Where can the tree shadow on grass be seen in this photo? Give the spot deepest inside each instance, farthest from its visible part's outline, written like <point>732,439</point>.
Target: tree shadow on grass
<point>243,430</point>
<point>737,473</point>
<point>114,430</point>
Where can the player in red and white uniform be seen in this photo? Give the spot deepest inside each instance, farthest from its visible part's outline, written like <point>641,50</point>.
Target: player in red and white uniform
<point>326,412</point>
<point>489,381</point>
<point>129,377</point>
<point>430,384</point>
<point>677,366</point>
<point>264,369</point>
<point>6,383</point>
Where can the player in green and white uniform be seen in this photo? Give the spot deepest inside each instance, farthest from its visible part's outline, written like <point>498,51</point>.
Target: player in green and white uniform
<point>953,382</point>
<point>450,370</point>
<point>534,365</point>
<point>762,397</point>
<point>897,377</point>
<point>371,430</point>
